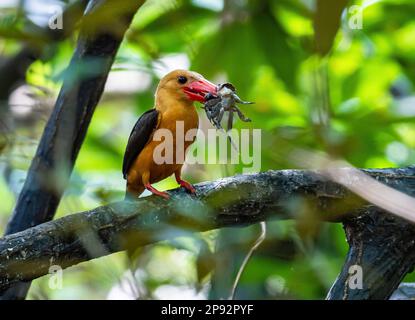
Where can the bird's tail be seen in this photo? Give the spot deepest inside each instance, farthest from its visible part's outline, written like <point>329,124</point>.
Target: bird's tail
<point>133,192</point>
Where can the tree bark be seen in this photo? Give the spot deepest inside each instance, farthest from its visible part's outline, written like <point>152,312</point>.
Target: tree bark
<point>383,247</point>
<point>66,129</point>
<point>234,201</point>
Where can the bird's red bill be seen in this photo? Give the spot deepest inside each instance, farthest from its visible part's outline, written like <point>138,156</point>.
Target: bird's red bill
<point>197,90</point>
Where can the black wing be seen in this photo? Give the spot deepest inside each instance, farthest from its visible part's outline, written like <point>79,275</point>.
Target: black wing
<point>139,137</point>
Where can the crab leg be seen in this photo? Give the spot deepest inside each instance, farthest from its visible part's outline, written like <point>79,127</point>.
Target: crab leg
<point>241,115</point>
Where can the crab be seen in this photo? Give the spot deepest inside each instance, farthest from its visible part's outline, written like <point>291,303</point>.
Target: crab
<point>224,101</point>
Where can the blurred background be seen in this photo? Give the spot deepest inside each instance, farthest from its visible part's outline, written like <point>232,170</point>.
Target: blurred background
<point>343,88</point>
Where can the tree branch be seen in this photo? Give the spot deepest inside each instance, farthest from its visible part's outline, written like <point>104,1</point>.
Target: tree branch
<point>234,201</point>
<point>65,131</point>
<point>383,246</point>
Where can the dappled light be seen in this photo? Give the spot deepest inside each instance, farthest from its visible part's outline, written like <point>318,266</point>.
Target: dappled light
<point>316,138</point>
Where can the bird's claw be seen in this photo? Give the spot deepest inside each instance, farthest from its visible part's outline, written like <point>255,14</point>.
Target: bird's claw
<point>162,194</point>
<point>187,186</point>
<point>154,191</point>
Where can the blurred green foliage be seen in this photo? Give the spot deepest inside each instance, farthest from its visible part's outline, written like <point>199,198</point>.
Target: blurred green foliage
<point>317,83</point>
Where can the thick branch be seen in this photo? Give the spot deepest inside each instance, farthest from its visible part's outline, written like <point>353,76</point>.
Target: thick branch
<point>233,201</point>
<point>68,123</point>
<point>383,246</point>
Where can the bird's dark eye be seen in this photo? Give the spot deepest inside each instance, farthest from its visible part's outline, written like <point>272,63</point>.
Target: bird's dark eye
<point>182,79</point>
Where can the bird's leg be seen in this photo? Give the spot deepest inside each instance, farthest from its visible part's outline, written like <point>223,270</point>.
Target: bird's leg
<point>183,183</point>
<point>153,190</point>
<point>149,187</point>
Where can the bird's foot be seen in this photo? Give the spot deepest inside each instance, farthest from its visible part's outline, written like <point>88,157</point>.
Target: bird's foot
<point>154,191</point>
<point>187,186</point>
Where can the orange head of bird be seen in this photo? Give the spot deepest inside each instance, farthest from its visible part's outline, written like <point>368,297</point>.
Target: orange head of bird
<point>184,85</point>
